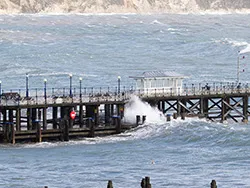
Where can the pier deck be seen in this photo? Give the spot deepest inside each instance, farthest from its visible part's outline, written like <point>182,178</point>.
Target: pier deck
<point>42,114</point>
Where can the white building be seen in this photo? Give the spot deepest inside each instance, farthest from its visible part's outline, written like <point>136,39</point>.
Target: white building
<point>155,82</point>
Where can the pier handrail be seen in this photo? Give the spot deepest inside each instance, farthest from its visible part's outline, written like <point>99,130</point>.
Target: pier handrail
<point>40,96</point>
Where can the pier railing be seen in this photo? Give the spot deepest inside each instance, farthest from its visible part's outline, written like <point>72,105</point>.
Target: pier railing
<point>48,96</point>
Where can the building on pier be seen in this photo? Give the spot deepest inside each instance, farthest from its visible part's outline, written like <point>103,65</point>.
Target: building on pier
<point>159,82</point>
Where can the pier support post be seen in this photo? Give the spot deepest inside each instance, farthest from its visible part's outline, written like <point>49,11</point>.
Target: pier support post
<point>204,107</point>
<point>13,133</point>
<point>18,119</point>
<point>71,121</point>
<point>33,118</point>
<point>144,119</point>
<point>29,122</point>
<point>138,119</point>
<point>91,126</point>
<point>54,117</point>
<point>175,115</point>
<point>245,109</point>
<point>44,118</point>
<point>118,124</point>
<point>11,116</point>
<point>183,115</point>
<point>93,112</point>
<point>80,116</point>
<point>38,131</point>
<point>66,129</point>
<point>107,114</point>
<point>168,117</point>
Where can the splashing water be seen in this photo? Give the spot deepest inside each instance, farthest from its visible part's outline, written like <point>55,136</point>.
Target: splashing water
<point>137,107</point>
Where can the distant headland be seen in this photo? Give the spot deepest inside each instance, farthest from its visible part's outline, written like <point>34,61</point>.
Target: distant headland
<point>123,6</point>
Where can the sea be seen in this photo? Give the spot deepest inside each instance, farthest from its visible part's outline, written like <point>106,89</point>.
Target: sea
<point>101,47</point>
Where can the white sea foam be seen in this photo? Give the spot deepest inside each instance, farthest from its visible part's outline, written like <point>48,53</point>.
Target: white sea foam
<point>138,107</point>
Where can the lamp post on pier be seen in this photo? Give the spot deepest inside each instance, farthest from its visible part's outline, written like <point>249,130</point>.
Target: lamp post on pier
<point>70,85</point>
<point>45,90</point>
<point>119,84</point>
<point>80,82</point>
<point>27,85</point>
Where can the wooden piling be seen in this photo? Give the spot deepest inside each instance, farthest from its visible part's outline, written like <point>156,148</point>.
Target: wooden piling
<point>91,126</point>
<point>175,115</point>
<point>144,119</point>
<point>213,184</point>
<point>66,129</point>
<point>107,113</point>
<point>29,119</point>
<point>44,118</point>
<point>80,116</point>
<point>54,117</point>
<point>38,131</point>
<point>33,117</point>
<point>18,119</point>
<point>168,117</point>
<point>245,109</point>
<point>138,119</point>
<point>145,182</point>
<point>118,124</point>
<point>71,121</point>
<point>110,184</point>
<point>183,115</point>
<point>13,134</point>
<point>11,116</point>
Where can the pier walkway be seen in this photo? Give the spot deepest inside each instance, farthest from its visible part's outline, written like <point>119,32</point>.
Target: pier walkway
<point>45,114</point>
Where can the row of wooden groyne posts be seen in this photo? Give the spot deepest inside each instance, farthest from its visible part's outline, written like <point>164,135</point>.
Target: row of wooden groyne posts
<point>47,116</point>
<point>145,183</point>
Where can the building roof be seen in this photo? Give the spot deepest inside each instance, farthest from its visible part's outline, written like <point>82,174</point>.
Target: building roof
<point>159,73</point>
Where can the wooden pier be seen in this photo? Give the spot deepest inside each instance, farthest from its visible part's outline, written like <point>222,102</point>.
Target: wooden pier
<point>45,114</point>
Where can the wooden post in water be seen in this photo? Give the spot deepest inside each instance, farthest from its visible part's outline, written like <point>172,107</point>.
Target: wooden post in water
<point>168,117</point>
<point>138,119</point>
<point>5,130</point>
<point>118,124</point>
<point>66,129</point>
<point>245,109</point>
<point>81,116</point>
<point>145,182</point>
<point>13,135</point>
<point>144,118</point>
<point>44,118</point>
<point>18,119</point>
<point>213,184</point>
<point>107,114</point>
<point>38,131</point>
<point>29,119</point>
<point>183,115</point>
<point>175,115</point>
<point>54,117</point>
<point>110,184</point>
<point>71,121</point>
<point>91,126</point>
<point>11,127</point>
<point>33,118</point>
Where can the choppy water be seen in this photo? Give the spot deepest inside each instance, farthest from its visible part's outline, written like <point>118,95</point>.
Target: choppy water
<point>99,48</point>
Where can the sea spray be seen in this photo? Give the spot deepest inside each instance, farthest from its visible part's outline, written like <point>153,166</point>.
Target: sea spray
<point>137,107</point>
